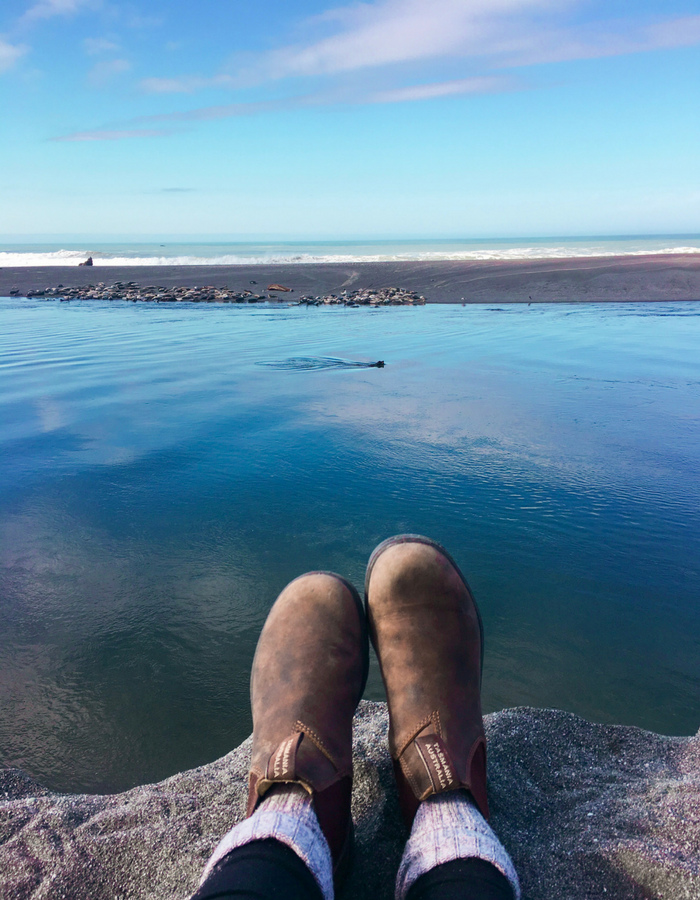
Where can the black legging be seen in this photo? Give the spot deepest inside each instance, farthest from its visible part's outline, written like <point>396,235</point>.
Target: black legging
<point>269,870</point>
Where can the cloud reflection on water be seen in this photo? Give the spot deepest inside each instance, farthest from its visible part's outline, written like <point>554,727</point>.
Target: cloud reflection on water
<point>143,541</point>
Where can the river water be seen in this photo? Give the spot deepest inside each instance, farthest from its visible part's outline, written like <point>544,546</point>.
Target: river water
<point>159,486</point>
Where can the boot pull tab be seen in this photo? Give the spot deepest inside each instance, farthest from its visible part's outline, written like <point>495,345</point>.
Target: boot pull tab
<point>437,761</point>
<point>282,765</point>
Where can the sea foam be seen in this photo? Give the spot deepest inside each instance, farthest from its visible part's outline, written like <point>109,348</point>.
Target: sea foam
<point>9,259</point>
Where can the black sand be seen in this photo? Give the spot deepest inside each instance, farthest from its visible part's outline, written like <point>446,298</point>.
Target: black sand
<point>592,279</point>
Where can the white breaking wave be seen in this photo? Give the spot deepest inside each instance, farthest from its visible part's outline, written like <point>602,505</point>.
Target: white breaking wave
<point>74,257</point>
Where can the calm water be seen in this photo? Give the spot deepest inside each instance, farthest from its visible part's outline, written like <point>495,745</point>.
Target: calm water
<point>159,487</point>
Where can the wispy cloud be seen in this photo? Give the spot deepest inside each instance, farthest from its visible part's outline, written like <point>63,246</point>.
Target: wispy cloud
<point>114,135</point>
<point>396,35</point>
<point>400,31</point>
<point>185,84</point>
<point>104,72</point>
<point>97,46</point>
<point>144,22</point>
<point>484,85</point>
<point>386,40</point>
<point>604,39</point>
<point>10,53</point>
<point>675,32</point>
<point>141,126</point>
<point>507,32</point>
<point>47,9</point>
<point>229,110</point>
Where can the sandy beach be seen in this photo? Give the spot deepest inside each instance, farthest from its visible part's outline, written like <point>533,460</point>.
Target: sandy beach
<point>578,280</point>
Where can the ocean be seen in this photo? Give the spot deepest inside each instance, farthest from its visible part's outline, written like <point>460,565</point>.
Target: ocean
<point>169,253</point>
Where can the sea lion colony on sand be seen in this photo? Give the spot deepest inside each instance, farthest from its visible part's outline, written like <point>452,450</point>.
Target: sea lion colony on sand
<point>132,291</point>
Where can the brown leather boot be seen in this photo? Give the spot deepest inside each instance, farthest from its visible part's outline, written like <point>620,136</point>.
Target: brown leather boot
<point>427,631</point>
<point>308,676</point>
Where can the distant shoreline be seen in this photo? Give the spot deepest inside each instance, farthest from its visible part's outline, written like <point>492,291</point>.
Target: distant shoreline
<point>645,278</point>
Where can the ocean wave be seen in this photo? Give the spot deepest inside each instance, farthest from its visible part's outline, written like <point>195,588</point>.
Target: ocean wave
<point>10,259</point>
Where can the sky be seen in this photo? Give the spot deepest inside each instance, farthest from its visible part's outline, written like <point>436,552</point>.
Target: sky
<point>309,119</point>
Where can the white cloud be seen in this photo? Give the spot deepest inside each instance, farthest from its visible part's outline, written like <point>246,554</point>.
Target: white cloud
<point>489,34</point>
<point>47,9</point>
<point>142,22</point>
<point>114,135</point>
<point>505,32</point>
<point>142,125</point>
<point>477,33</point>
<point>96,46</point>
<point>103,72</point>
<point>185,84</point>
<point>484,85</point>
<point>675,33</point>
<point>9,54</point>
<point>400,31</point>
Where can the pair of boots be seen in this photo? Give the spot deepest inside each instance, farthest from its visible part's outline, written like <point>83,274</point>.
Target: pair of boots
<point>308,676</point>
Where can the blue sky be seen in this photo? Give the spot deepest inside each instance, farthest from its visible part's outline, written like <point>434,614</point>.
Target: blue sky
<point>385,118</point>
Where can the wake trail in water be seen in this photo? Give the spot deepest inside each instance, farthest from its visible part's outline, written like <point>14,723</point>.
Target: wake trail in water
<point>299,363</point>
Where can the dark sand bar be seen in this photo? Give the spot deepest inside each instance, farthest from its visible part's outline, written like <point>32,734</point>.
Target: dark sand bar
<point>580,280</point>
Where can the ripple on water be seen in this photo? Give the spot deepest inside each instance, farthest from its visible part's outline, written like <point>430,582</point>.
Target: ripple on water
<point>162,479</point>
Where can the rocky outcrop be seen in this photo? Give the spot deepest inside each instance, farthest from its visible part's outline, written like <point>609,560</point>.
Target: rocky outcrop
<point>586,811</point>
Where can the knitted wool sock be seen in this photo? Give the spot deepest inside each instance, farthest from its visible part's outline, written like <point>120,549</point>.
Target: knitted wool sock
<point>287,815</point>
<point>449,826</point>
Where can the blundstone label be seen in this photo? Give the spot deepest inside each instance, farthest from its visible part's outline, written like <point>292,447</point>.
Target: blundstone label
<point>282,764</point>
<point>436,760</point>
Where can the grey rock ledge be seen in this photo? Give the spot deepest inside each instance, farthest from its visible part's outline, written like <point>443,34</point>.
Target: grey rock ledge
<point>586,811</point>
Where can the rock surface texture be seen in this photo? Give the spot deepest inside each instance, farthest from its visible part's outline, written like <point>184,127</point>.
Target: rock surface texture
<point>586,811</point>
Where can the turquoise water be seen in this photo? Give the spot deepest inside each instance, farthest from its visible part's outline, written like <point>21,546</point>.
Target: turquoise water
<point>159,487</point>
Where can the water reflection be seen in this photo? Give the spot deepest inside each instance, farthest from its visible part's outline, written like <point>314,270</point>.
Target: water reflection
<point>159,488</point>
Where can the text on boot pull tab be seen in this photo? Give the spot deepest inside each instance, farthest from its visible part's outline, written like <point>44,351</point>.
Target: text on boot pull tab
<point>283,762</point>
<point>436,760</point>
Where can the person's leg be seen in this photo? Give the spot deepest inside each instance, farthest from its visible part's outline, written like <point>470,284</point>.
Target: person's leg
<point>308,676</point>
<point>462,879</point>
<point>427,631</point>
<point>260,870</point>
